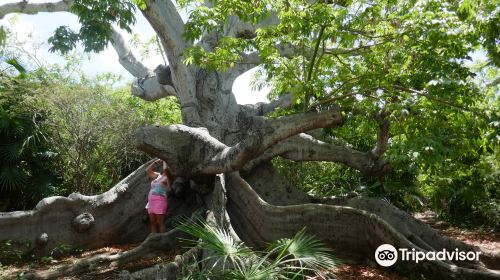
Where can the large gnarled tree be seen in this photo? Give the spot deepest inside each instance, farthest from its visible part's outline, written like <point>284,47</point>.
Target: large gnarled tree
<point>329,62</point>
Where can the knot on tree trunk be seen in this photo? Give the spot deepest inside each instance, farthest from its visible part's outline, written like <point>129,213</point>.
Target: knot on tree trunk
<point>83,222</point>
<point>163,75</point>
<point>42,239</point>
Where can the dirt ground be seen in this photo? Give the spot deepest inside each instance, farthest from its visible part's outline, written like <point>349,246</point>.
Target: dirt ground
<point>486,240</point>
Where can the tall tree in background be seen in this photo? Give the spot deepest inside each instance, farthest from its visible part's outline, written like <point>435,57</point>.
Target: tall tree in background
<point>330,64</point>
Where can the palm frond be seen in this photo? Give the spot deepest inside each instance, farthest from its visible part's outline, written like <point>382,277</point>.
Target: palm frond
<point>285,259</point>
<point>12,178</point>
<point>305,252</point>
<point>216,239</point>
<point>10,152</point>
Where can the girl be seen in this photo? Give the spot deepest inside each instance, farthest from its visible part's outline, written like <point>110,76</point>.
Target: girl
<point>157,198</point>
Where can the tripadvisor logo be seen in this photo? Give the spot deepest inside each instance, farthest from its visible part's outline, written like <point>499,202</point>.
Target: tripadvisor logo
<point>387,255</point>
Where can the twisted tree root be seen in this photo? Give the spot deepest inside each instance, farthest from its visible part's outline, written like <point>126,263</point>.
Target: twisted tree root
<point>150,247</point>
<point>353,233</point>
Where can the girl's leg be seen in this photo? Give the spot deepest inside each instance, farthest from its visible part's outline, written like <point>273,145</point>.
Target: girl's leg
<point>160,218</point>
<point>153,222</point>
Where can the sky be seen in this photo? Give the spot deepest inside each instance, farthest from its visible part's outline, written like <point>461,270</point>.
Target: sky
<point>38,28</point>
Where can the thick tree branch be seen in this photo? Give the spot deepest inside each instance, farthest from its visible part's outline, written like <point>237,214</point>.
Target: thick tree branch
<point>240,68</point>
<point>151,246</point>
<point>34,8</point>
<point>168,24</point>
<point>127,58</point>
<point>149,89</point>
<point>168,271</point>
<point>267,133</point>
<point>166,21</point>
<point>304,147</point>
<point>262,108</point>
<point>383,134</point>
<point>192,151</point>
<point>251,60</point>
<point>146,85</point>
<point>283,101</point>
<point>285,50</point>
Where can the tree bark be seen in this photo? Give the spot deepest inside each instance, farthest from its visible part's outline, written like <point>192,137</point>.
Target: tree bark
<point>220,136</point>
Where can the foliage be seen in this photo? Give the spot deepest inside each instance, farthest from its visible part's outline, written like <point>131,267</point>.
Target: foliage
<point>69,134</point>
<point>441,158</point>
<point>287,258</point>
<point>16,251</point>
<point>26,173</point>
<point>408,58</point>
<point>3,36</point>
<point>92,128</point>
<point>97,19</point>
<point>148,47</point>
<point>9,253</point>
<point>17,50</point>
<point>377,49</point>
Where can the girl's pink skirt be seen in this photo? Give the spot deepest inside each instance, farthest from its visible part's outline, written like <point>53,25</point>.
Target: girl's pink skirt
<point>157,204</point>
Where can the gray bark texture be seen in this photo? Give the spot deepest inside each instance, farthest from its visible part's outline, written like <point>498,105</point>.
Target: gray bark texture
<point>219,136</point>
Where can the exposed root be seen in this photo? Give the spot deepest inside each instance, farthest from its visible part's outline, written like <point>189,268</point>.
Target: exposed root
<point>418,232</point>
<point>353,233</point>
<point>113,217</point>
<point>169,271</point>
<point>150,247</point>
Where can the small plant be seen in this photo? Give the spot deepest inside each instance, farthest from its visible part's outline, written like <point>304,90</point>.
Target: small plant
<point>62,250</point>
<point>46,260</point>
<point>287,258</point>
<point>10,252</point>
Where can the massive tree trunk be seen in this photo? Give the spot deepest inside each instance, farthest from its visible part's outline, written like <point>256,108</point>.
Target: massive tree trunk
<point>220,136</point>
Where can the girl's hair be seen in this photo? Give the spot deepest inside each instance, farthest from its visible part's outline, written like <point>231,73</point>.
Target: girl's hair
<point>169,175</point>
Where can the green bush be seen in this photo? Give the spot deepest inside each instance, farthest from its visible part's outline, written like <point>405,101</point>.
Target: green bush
<point>62,135</point>
<point>443,159</point>
<point>92,129</point>
<point>26,166</point>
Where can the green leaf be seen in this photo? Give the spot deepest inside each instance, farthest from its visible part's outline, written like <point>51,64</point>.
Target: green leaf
<point>15,63</point>
<point>141,4</point>
<point>3,36</point>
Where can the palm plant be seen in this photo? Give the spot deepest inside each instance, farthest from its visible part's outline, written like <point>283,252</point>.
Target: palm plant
<point>25,172</point>
<point>288,258</point>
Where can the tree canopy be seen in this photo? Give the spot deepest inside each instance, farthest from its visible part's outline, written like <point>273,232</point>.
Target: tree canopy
<point>398,98</point>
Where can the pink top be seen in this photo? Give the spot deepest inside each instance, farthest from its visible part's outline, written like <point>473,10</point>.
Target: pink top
<point>159,186</point>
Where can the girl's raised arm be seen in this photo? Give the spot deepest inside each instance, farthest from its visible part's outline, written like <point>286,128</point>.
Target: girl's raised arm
<point>149,170</point>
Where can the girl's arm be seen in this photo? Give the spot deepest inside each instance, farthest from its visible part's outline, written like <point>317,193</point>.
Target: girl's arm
<point>149,170</point>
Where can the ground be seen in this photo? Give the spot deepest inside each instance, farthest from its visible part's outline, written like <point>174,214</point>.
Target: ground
<point>486,240</point>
